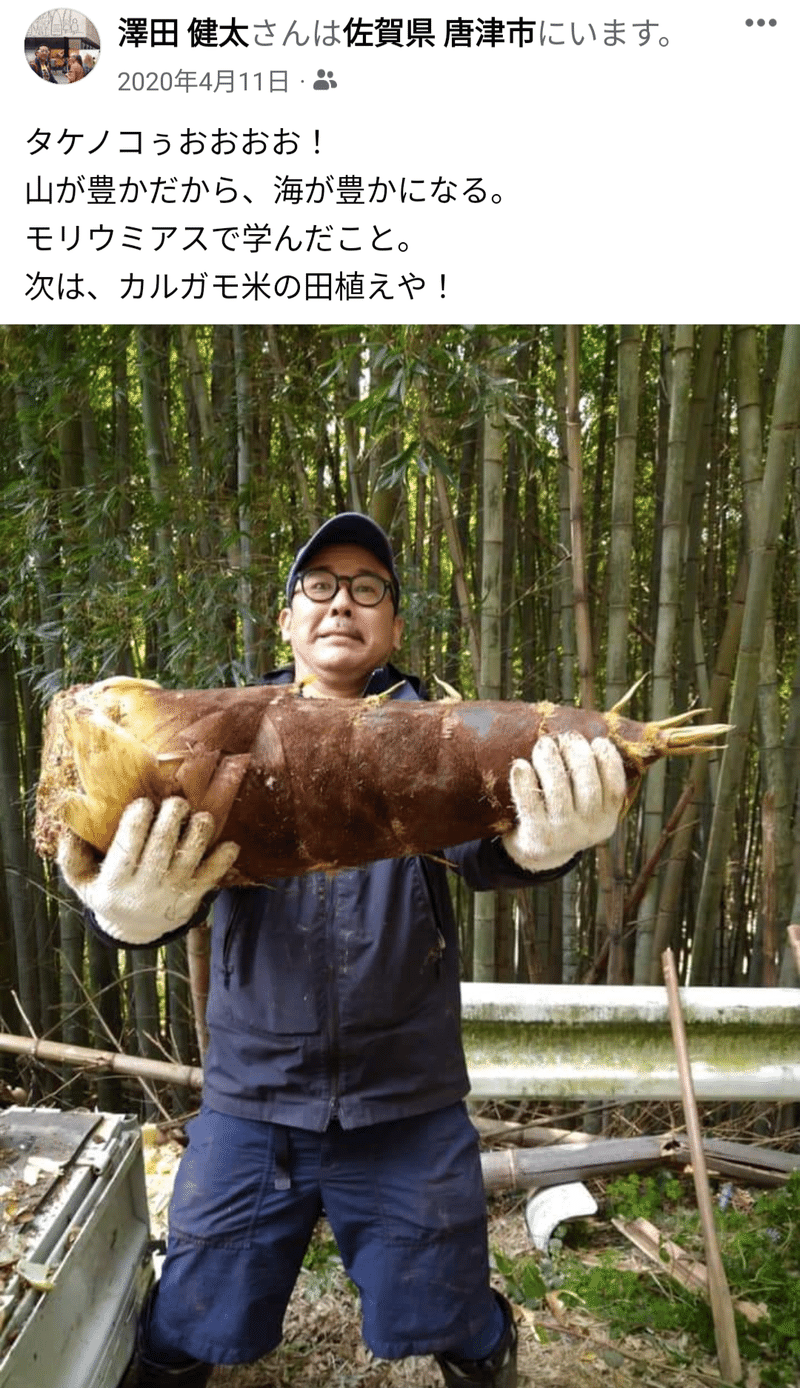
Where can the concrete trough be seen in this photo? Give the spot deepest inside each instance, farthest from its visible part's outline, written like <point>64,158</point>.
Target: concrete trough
<point>581,1042</point>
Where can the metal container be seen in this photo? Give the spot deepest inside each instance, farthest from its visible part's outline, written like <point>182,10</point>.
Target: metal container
<point>75,1261</point>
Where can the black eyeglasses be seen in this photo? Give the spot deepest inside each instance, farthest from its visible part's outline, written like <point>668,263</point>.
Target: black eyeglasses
<point>367,590</point>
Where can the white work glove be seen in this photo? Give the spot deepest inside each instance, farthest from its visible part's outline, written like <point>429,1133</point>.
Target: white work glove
<point>568,797</point>
<point>150,881</point>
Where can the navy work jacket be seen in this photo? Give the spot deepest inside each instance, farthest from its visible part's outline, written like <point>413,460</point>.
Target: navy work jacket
<point>336,995</point>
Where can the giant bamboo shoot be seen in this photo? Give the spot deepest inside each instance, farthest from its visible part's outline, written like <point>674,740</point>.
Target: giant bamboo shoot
<point>304,783</point>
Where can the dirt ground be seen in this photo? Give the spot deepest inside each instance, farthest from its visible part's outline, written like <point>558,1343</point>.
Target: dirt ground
<point>323,1346</point>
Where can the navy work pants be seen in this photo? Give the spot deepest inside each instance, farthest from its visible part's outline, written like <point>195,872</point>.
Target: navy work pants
<point>406,1204</point>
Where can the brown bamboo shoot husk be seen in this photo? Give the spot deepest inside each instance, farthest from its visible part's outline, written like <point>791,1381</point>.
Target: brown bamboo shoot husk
<point>305,783</point>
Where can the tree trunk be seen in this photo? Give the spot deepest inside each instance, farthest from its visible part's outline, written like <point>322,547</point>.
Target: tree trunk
<point>310,513</point>
<point>611,894</point>
<point>669,598</point>
<point>106,1026</point>
<point>770,515</point>
<point>152,353</point>
<point>384,498</point>
<point>204,441</point>
<point>619,594</point>
<point>701,409</point>
<point>14,848</point>
<point>599,485</point>
<point>619,563</point>
<point>243,491</point>
<point>181,1025</point>
<point>65,407</point>
<point>680,845</point>
<point>583,622</point>
<point>667,887</point>
<point>773,766</point>
<point>142,965</point>
<point>459,576</point>
<point>491,659</point>
<point>789,971</point>
<point>564,622</point>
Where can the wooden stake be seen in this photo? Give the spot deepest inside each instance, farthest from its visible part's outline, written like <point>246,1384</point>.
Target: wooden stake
<point>198,954</point>
<point>719,1293</point>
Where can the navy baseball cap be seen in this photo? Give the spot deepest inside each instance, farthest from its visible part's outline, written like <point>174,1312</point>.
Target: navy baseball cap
<point>348,528</point>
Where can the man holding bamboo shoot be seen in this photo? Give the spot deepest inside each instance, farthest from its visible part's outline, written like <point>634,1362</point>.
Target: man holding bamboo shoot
<point>335,1076</point>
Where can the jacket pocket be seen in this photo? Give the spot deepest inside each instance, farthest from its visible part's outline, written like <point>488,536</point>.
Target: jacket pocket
<point>267,976</point>
<point>389,945</point>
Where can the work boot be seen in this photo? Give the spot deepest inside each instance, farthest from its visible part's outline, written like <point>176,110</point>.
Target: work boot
<point>146,1373</point>
<point>498,1371</point>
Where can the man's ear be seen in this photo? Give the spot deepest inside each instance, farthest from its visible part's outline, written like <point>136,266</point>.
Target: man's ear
<point>397,632</point>
<point>285,622</point>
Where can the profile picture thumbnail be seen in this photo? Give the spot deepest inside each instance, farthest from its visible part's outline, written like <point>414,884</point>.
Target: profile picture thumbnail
<point>62,46</point>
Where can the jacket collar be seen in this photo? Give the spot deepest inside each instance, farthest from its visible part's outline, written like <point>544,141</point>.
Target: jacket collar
<point>380,680</point>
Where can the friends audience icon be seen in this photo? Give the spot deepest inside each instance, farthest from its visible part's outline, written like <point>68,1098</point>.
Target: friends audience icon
<point>62,46</point>
<point>324,80</point>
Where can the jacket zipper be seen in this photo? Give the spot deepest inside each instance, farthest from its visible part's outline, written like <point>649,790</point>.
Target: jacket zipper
<point>434,955</point>
<point>333,998</point>
<point>227,945</point>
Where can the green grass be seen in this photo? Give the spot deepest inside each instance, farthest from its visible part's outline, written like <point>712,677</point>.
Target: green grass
<point>760,1252</point>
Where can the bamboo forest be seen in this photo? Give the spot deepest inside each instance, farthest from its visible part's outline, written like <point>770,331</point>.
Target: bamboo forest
<point>576,512</point>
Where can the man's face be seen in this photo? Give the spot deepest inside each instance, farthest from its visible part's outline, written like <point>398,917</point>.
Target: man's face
<point>337,642</point>
<point>43,54</point>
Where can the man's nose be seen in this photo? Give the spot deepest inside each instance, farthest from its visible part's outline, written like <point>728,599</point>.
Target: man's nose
<point>341,600</point>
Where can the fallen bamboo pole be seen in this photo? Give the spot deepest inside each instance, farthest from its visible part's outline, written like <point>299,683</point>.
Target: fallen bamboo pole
<point>678,1263</point>
<point>86,1058</point>
<point>719,1293</point>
